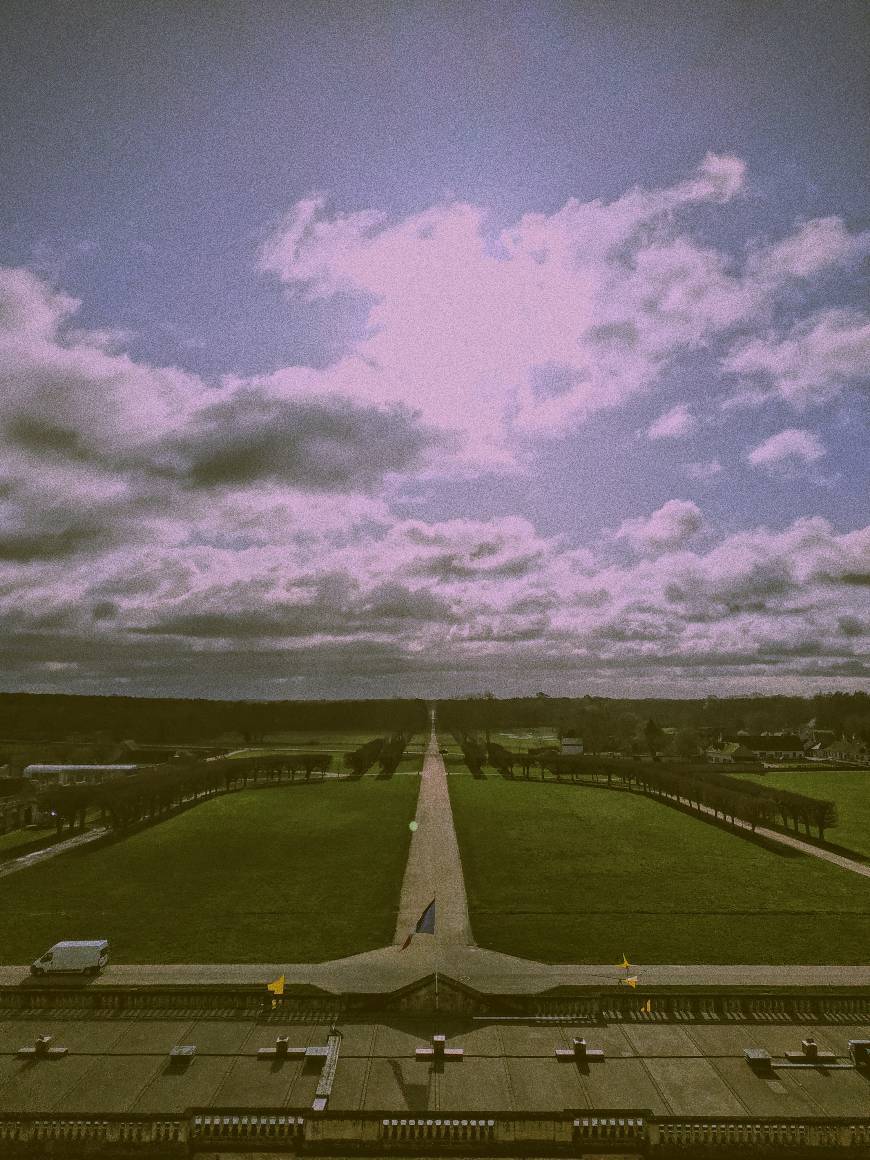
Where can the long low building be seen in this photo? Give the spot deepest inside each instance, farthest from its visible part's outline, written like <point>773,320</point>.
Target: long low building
<point>76,774</point>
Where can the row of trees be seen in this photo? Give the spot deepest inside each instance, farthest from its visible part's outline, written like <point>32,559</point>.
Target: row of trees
<point>699,787</point>
<point>360,761</point>
<point>154,792</point>
<point>474,754</point>
<point>392,753</point>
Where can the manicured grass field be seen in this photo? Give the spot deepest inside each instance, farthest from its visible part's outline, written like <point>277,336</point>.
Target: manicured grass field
<point>581,874</point>
<point>294,874</point>
<point>335,741</point>
<point>849,788</point>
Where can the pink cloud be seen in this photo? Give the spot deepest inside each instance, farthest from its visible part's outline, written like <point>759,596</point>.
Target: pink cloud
<point>667,528</point>
<point>813,363</point>
<point>673,424</point>
<point>790,446</point>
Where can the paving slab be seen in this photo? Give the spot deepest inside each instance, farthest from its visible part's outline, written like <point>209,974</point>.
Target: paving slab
<point>477,1039</point>
<point>764,1095</point>
<point>399,1085</point>
<point>348,1089</point>
<point>252,1082</point>
<point>175,1088</point>
<point>399,1041</point>
<point>524,1039</point>
<point>837,1093</point>
<point>692,1087</point>
<point>546,1084</point>
<point>153,1036</point>
<point>76,1035</point>
<point>475,1084</point>
<point>724,1039</point>
<point>28,1084</point>
<point>621,1083</point>
<point>611,1039</point>
<point>222,1036</point>
<point>660,1039</point>
<point>357,1039</point>
<point>110,1084</point>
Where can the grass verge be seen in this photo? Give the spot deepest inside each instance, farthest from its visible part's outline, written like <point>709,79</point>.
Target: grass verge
<point>581,874</point>
<point>293,874</point>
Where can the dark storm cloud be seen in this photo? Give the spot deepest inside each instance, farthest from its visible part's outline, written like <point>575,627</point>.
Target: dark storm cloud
<point>328,444</point>
<point>329,605</point>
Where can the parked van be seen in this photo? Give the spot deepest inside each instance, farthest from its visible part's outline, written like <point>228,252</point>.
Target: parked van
<point>86,958</point>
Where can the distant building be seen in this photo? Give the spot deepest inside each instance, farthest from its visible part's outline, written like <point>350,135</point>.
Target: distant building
<point>571,744</point>
<point>727,752</point>
<point>147,753</point>
<point>850,751</point>
<point>770,746</point>
<point>46,775</point>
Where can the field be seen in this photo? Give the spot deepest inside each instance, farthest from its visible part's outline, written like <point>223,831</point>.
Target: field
<point>582,874</point>
<point>294,874</point>
<point>849,788</point>
<point>336,742</point>
<point>521,740</point>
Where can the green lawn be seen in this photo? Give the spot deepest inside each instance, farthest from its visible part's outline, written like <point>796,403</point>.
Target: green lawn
<point>849,788</point>
<point>336,741</point>
<point>519,740</point>
<point>16,842</point>
<point>294,874</point>
<point>581,874</point>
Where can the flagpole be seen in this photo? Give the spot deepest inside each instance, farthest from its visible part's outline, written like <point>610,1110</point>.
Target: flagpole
<point>437,952</point>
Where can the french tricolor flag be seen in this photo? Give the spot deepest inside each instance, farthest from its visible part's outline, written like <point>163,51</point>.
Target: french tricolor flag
<point>426,925</point>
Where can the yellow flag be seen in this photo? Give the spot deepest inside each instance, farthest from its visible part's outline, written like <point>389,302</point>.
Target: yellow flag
<point>277,988</point>
<point>625,964</point>
<point>631,981</point>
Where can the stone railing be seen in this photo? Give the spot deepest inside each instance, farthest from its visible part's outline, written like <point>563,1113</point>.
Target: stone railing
<point>633,1130</point>
<point>614,1006</point>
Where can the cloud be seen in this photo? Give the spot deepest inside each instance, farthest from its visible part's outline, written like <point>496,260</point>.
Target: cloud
<point>703,470</point>
<point>792,446</point>
<point>528,329</point>
<point>816,246</point>
<point>815,361</point>
<point>316,444</point>
<point>673,424</point>
<point>669,527</point>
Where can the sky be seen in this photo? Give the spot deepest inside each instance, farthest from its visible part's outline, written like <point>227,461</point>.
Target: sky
<point>359,350</point>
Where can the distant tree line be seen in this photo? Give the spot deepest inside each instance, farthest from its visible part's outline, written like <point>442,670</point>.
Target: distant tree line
<point>621,725</point>
<point>32,716</point>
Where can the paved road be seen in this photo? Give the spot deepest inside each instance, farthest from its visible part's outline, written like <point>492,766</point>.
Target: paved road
<point>488,971</point>
<point>434,868</point>
<point>47,852</point>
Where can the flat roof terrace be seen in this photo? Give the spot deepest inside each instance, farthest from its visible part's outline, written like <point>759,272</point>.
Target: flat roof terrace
<point>122,1065</point>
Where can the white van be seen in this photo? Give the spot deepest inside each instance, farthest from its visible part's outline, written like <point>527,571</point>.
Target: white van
<point>87,958</point>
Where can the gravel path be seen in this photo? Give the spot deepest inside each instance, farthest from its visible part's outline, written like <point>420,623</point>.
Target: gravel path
<point>47,852</point>
<point>434,869</point>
